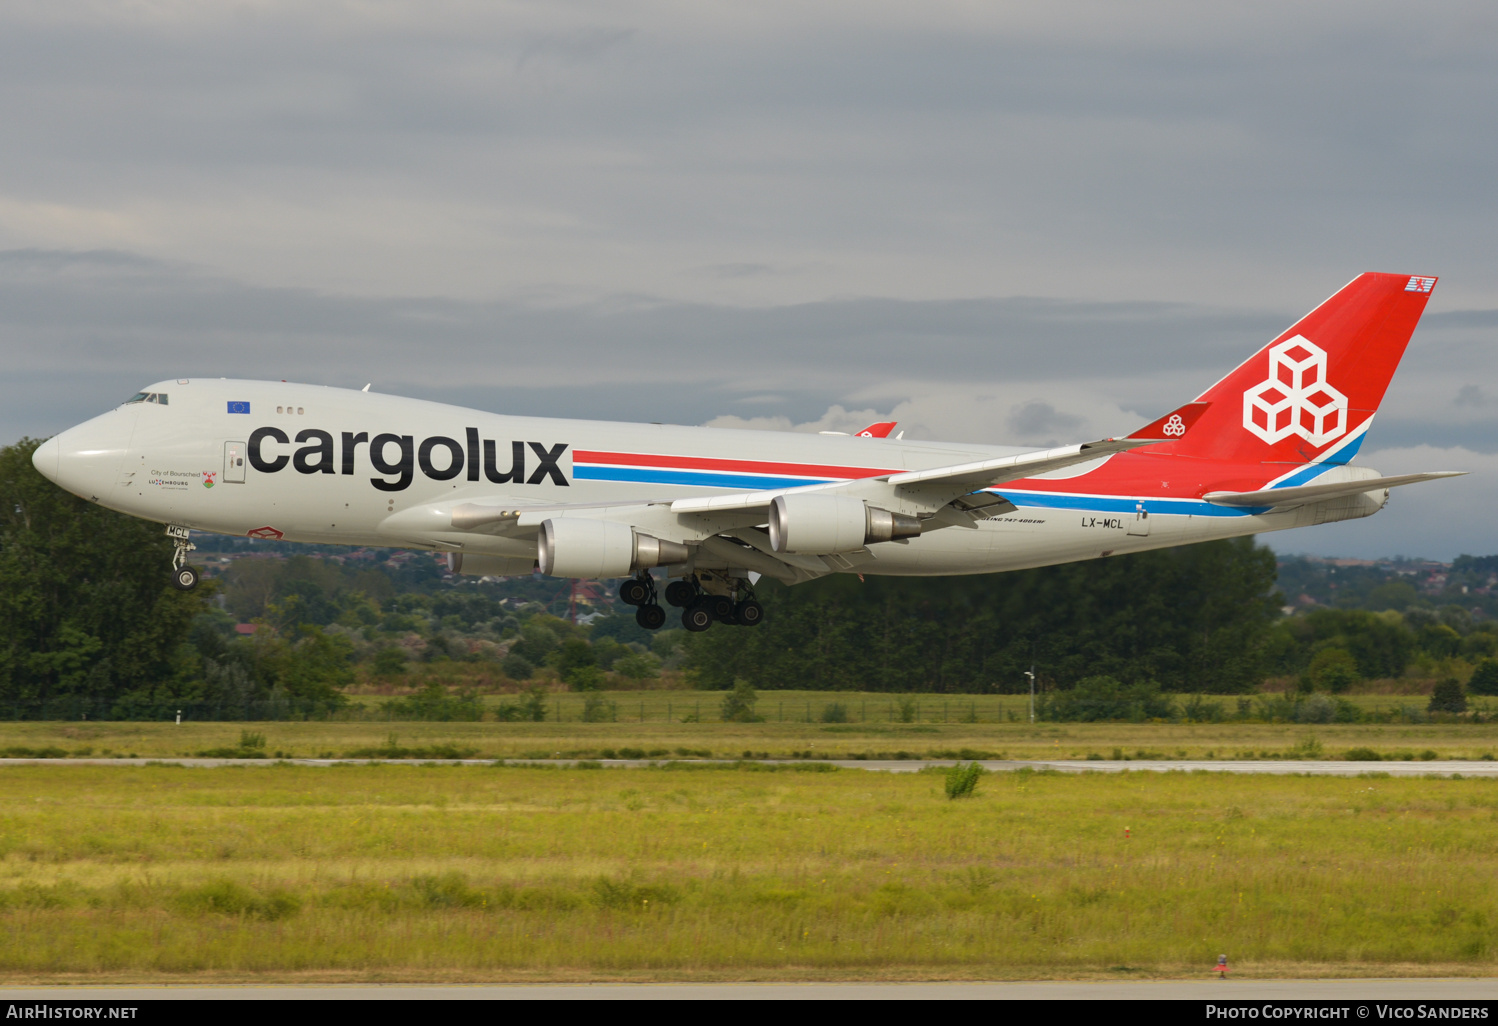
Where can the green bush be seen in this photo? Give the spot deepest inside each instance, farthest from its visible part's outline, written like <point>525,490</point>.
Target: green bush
<point>1197,709</point>
<point>638,666</point>
<point>962,780</point>
<point>1362,755</point>
<point>597,709</point>
<point>834,712</point>
<point>517,666</point>
<point>434,703</point>
<point>738,704</point>
<point>1105,698</point>
<point>1485,678</point>
<point>533,708</point>
<point>576,664</point>
<point>1447,697</point>
<point>1334,670</point>
<point>390,661</point>
<point>907,710</point>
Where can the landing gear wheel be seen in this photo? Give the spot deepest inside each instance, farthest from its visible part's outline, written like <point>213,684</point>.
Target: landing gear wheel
<point>184,577</point>
<point>749,613</point>
<point>651,617</point>
<point>681,594</point>
<point>721,606</point>
<point>634,592</point>
<point>697,617</point>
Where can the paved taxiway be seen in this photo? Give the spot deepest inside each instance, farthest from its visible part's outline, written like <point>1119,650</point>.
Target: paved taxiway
<point>1352,991</point>
<point>1320,768</point>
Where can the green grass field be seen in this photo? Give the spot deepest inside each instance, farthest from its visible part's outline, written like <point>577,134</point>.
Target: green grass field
<point>650,723</point>
<point>410,872</point>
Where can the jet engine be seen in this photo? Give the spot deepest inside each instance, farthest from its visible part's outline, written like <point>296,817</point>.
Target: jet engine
<point>815,522</point>
<point>576,547</point>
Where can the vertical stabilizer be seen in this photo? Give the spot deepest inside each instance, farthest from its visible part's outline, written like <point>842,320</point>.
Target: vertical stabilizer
<point>1310,395</point>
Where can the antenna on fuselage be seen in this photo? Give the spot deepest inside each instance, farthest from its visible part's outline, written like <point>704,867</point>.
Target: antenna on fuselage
<point>366,387</point>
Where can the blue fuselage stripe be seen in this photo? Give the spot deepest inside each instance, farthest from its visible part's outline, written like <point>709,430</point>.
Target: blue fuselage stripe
<point>1104,504</point>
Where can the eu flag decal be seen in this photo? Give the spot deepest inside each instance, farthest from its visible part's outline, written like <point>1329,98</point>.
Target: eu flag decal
<point>235,407</point>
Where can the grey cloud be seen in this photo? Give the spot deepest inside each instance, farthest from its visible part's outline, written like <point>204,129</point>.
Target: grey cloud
<point>1036,420</point>
<point>1183,149</point>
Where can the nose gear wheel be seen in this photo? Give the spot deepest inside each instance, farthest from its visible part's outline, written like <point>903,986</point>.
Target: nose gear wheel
<point>184,577</point>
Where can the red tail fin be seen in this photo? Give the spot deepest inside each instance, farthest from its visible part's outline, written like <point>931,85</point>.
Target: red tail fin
<point>1309,396</point>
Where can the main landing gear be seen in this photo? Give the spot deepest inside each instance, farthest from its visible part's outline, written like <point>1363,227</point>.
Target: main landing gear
<point>184,577</point>
<point>729,601</point>
<point>640,593</point>
<point>701,607</point>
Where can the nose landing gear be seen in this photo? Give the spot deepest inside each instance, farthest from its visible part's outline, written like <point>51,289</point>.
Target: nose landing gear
<point>184,577</point>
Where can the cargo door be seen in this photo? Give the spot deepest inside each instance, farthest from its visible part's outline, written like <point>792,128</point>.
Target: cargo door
<point>234,462</point>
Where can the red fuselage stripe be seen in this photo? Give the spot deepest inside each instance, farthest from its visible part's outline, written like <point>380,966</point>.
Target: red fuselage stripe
<point>637,459</point>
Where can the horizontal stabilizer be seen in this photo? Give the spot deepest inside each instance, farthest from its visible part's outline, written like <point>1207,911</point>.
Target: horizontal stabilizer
<point>1302,494</point>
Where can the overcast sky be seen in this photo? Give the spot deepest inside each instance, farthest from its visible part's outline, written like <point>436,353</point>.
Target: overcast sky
<point>1007,222</point>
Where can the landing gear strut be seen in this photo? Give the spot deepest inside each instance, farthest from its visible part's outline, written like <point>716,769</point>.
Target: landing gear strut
<point>184,577</point>
<point>640,592</point>
<point>701,607</point>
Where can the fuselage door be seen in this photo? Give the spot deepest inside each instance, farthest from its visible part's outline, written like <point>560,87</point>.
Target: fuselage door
<point>234,462</point>
<point>1140,525</point>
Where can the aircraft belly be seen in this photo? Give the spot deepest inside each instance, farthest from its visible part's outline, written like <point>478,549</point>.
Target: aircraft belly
<point>1032,538</point>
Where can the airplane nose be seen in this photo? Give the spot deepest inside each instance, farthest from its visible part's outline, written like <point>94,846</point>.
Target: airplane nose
<point>47,457</point>
<point>85,459</point>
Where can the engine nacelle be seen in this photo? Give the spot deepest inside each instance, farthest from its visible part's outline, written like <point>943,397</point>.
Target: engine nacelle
<point>576,547</point>
<point>815,522</point>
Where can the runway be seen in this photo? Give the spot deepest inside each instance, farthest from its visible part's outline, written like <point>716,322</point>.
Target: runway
<point>1351,991</point>
<point>1319,767</point>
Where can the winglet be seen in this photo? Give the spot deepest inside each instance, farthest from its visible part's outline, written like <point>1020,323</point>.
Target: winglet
<point>1173,425</point>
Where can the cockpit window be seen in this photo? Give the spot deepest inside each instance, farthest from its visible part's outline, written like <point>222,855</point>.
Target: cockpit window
<point>147,397</point>
<point>138,397</point>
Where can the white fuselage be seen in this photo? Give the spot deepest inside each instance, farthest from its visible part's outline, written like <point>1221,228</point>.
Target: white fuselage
<point>302,464</point>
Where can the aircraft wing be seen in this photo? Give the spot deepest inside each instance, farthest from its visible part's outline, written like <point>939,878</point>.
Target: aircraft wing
<point>938,486</point>
<point>1302,494</point>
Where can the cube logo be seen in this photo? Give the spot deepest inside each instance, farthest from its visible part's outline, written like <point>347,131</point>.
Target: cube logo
<point>1296,399</point>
